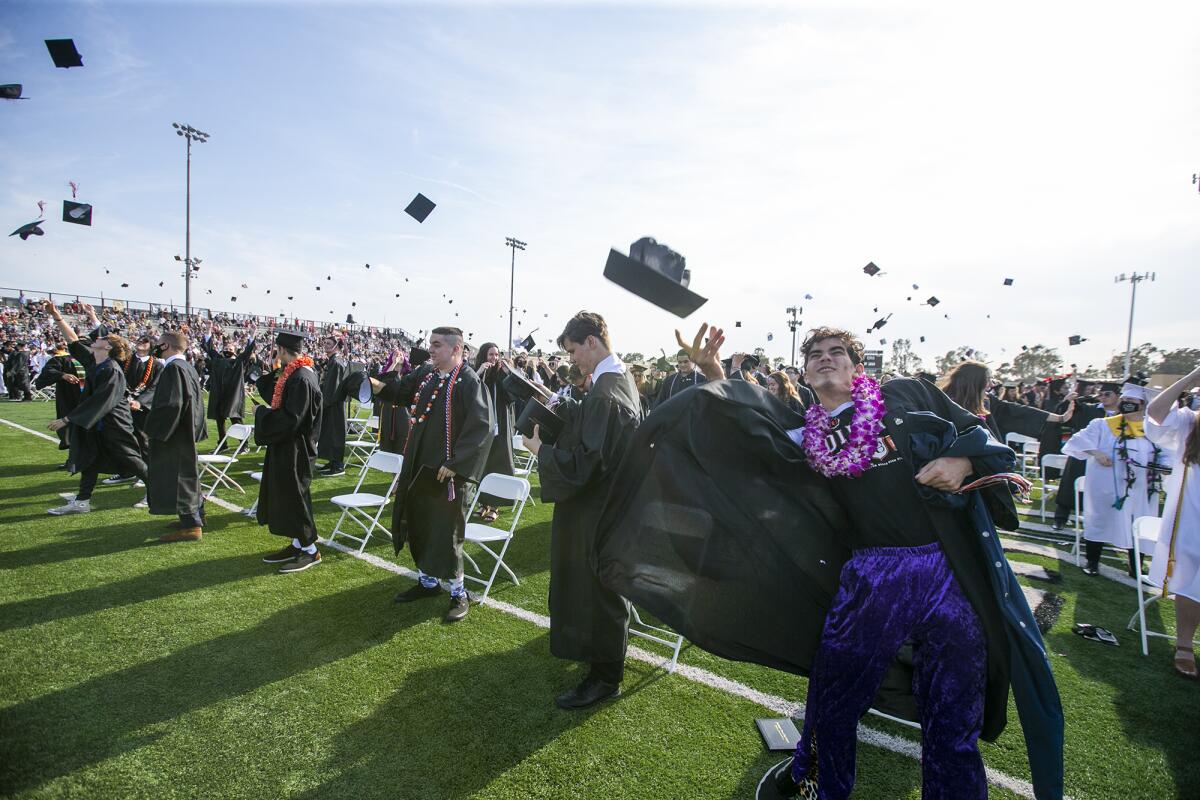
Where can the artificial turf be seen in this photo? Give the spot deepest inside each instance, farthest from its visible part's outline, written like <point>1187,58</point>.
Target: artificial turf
<point>134,669</point>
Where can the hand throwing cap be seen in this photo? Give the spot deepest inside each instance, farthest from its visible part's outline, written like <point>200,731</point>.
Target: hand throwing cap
<point>656,273</point>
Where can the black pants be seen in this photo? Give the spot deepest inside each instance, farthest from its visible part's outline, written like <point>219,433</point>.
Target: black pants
<point>1064,501</point>
<point>194,519</point>
<point>88,478</point>
<point>221,426</point>
<point>1093,550</point>
<point>19,390</point>
<point>607,671</point>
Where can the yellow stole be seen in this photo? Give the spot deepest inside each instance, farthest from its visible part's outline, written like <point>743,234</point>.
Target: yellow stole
<point>1133,429</point>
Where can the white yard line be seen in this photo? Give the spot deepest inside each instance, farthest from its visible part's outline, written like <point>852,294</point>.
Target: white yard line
<point>778,705</point>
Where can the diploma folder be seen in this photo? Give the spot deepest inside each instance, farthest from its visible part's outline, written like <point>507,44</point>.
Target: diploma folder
<point>778,734</point>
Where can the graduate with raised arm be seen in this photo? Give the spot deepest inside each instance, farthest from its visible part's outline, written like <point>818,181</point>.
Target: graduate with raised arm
<point>588,621</point>
<point>227,377</point>
<point>66,374</point>
<point>331,445</point>
<point>101,436</point>
<point>447,444</point>
<point>174,424</point>
<point>289,427</point>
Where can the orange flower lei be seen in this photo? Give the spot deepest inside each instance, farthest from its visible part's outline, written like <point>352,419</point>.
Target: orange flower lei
<point>146,374</point>
<point>297,363</point>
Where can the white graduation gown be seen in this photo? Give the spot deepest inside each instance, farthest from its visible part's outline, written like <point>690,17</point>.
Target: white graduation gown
<point>1103,485</point>
<point>1171,436</point>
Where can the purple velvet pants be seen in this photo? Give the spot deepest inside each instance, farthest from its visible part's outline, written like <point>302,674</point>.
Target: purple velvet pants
<point>887,596</point>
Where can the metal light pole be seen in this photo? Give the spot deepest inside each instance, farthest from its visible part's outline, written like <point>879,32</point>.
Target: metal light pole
<point>515,244</point>
<point>793,324</point>
<point>1133,280</point>
<point>190,134</point>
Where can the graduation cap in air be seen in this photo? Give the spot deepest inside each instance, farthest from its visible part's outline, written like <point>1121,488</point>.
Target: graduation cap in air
<point>318,288</point>
<point>933,301</point>
<point>233,299</point>
<point>656,273</point>
<point>64,53</point>
<point>1074,340</point>
<point>420,207</point>
<point>350,319</point>
<point>368,266</point>
<point>11,91</point>
<point>737,324</point>
<point>29,229</point>
<point>770,337</point>
<point>528,343</point>
<point>1008,281</point>
<point>922,338</point>
<point>126,286</point>
<point>77,213</point>
<point>879,323</point>
<point>160,283</point>
<point>291,297</point>
<point>871,269</point>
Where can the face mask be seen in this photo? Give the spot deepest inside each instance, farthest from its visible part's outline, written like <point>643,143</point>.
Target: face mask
<point>1129,407</point>
<point>158,349</point>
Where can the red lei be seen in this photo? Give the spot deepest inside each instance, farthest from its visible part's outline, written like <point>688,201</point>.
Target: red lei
<point>297,363</point>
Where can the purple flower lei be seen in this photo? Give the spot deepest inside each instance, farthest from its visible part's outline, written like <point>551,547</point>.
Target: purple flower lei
<point>853,459</point>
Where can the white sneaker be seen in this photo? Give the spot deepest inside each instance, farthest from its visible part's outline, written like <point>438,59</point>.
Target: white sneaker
<point>143,503</point>
<point>140,485</point>
<point>73,507</point>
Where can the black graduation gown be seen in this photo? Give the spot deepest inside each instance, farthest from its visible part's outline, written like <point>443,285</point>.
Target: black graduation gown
<point>715,523</point>
<point>102,437</point>
<point>16,371</point>
<point>174,424</point>
<point>675,383</point>
<point>140,387</point>
<point>1005,418</point>
<point>66,394</point>
<point>226,382</point>
<point>500,455</point>
<point>423,515</point>
<point>290,435</point>
<point>393,419</point>
<point>588,621</point>
<point>331,445</point>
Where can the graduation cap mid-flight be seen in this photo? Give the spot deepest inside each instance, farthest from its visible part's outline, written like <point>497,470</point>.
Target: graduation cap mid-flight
<point>922,338</point>
<point>656,273</point>
<point>420,207</point>
<point>77,213</point>
<point>11,91</point>
<point>29,229</point>
<point>528,343</point>
<point>350,319</point>
<point>64,53</point>
<point>933,301</point>
<point>871,269</point>
<point>1074,340</point>
<point>879,323</point>
<point>1008,281</point>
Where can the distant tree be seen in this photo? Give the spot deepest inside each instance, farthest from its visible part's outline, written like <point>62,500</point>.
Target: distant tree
<point>1038,361</point>
<point>903,360</point>
<point>1144,358</point>
<point>1179,362</point>
<point>778,362</point>
<point>629,358</point>
<point>955,357</point>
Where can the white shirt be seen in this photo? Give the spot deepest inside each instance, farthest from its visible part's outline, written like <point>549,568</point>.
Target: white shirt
<point>610,363</point>
<point>169,359</point>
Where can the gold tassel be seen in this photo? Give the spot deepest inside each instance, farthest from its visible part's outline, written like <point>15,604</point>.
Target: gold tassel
<point>1175,532</point>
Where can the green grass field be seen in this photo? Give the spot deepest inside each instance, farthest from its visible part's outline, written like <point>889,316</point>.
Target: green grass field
<point>135,669</point>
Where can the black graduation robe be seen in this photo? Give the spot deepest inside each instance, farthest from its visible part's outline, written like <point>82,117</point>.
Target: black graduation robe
<point>226,382</point>
<point>140,386</point>
<point>331,445</point>
<point>290,436</point>
<point>588,621</point>
<point>1004,418</point>
<point>677,382</point>
<point>174,424</point>
<point>393,418</point>
<point>66,394</point>
<point>716,525</point>
<point>503,415</point>
<point>424,515</point>
<point>102,437</point>
<point>16,371</point>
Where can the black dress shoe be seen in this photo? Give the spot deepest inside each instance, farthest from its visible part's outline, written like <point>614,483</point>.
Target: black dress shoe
<point>1089,570</point>
<point>1058,527</point>
<point>588,693</point>
<point>459,606</point>
<point>282,556</point>
<point>785,786</point>
<point>417,592</point>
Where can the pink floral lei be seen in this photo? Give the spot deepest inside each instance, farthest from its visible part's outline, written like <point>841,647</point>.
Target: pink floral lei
<point>853,459</point>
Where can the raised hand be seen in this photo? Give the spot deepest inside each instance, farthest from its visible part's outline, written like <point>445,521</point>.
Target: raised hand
<point>705,354</point>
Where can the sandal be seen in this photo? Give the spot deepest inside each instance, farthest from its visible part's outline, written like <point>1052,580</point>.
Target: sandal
<point>491,515</point>
<point>1188,657</point>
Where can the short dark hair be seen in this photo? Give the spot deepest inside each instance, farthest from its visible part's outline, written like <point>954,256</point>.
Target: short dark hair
<point>853,346</point>
<point>583,325</point>
<point>176,340</point>
<point>447,330</point>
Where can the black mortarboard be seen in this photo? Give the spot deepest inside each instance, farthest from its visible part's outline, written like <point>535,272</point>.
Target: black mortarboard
<point>871,269</point>
<point>879,323</point>
<point>292,341</point>
<point>29,229</point>
<point>737,324</point>
<point>64,53</point>
<point>77,213</point>
<point>656,273</point>
<point>933,301</point>
<point>1074,340</point>
<point>922,338</point>
<point>233,299</point>
<point>1008,281</point>
<point>417,356</point>
<point>750,360</point>
<point>528,343</point>
<point>1109,385</point>
<point>420,207</point>
<point>124,285</point>
<point>549,424</point>
<point>350,319</point>
<point>11,91</point>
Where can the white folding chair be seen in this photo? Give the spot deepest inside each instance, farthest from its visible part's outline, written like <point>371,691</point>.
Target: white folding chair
<point>508,488</point>
<point>358,505</point>
<point>356,425</point>
<point>1146,531</point>
<point>217,466</point>
<point>1055,461</point>
<point>359,450</point>
<point>1026,448</point>
<point>252,511</point>
<point>524,462</point>
<point>1078,515</point>
<point>663,636</point>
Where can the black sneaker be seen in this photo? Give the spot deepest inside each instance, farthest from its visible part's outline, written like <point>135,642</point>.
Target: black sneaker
<point>301,562</point>
<point>333,472</point>
<point>1090,571</point>
<point>286,554</point>
<point>460,604</point>
<point>117,479</point>
<point>417,592</point>
<point>588,693</point>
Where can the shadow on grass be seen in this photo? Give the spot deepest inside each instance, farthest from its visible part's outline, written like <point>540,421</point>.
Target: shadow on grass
<point>492,712</point>
<point>71,729</point>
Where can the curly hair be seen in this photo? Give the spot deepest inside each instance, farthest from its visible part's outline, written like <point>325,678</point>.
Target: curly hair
<point>854,347</point>
<point>120,347</point>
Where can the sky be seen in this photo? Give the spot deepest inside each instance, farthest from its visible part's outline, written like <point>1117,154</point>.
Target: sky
<point>779,148</point>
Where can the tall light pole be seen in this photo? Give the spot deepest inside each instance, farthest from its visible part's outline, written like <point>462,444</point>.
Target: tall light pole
<point>1133,280</point>
<point>793,324</point>
<point>515,244</point>
<point>190,134</point>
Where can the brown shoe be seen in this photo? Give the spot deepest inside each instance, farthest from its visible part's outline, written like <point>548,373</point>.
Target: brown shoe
<point>183,535</point>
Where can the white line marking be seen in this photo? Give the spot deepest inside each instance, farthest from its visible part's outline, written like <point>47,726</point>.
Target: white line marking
<point>779,705</point>
<point>30,430</point>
